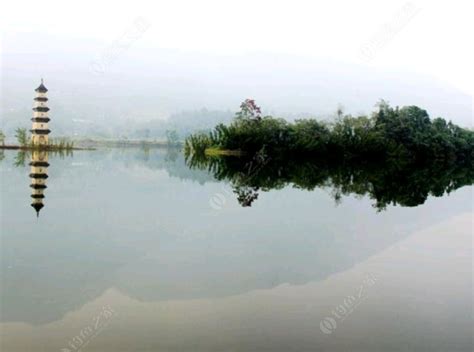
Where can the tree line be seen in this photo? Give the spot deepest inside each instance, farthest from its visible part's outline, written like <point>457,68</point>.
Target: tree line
<point>404,134</point>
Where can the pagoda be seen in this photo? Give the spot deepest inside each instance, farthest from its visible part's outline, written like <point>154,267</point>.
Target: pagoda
<point>39,130</point>
<point>38,175</point>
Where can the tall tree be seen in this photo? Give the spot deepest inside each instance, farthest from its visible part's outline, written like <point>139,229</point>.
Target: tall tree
<point>21,136</point>
<point>2,138</point>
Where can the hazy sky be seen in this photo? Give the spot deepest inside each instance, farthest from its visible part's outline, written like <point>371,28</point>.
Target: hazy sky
<point>143,60</point>
<point>429,37</point>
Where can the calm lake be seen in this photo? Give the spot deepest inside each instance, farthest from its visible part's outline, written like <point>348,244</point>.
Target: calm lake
<point>135,251</point>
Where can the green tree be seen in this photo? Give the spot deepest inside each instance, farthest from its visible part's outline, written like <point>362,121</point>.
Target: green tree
<point>2,138</point>
<point>21,136</point>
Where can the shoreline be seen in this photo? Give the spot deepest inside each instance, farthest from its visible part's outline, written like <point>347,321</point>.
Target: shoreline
<point>48,149</point>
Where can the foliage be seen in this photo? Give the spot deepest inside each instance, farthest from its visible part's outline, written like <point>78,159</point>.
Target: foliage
<point>404,134</point>
<point>2,138</point>
<point>60,144</point>
<point>21,136</point>
<point>197,143</point>
<point>249,111</point>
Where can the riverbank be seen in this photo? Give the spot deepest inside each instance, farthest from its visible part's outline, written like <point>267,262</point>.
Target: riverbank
<point>48,148</point>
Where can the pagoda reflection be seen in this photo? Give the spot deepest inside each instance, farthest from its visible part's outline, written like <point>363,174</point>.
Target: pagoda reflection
<point>38,175</point>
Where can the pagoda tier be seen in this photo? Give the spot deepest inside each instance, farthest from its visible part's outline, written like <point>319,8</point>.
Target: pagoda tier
<point>39,163</point>
<point>41,108</point>
<point>40,119</point>
<point>40,131</point>
<point>43,99</point>
<point>38,175</point>
<point>38,186</point>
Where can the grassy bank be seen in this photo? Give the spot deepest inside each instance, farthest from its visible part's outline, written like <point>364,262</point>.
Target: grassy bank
<point>223,152</point>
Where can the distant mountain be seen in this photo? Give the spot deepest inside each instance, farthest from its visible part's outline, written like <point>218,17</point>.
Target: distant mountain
<point>139,87</point>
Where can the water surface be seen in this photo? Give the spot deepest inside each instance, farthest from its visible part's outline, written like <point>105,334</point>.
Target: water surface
<point>134,251</point>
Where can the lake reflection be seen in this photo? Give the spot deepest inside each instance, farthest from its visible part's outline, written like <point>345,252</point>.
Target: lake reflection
<point>405,184</point>
<point>39,173</point>
<point>167,259</point>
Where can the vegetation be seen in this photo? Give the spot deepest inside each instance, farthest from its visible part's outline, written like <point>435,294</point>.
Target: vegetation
<point>24,141</point>
<point>404,134</point>
<point>60,144</point>
<point>395,156</point>
<point>21,136</point>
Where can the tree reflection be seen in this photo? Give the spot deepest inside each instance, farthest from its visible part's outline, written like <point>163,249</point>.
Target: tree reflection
<point>20,158</point>
<point>389,183</point>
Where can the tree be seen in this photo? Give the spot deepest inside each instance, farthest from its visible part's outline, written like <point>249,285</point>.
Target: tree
<point>249,111</point>
<point>21,136</point>
<point>2,138</point>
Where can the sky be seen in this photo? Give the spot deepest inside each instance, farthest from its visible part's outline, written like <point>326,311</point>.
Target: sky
<point>432,38</point>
